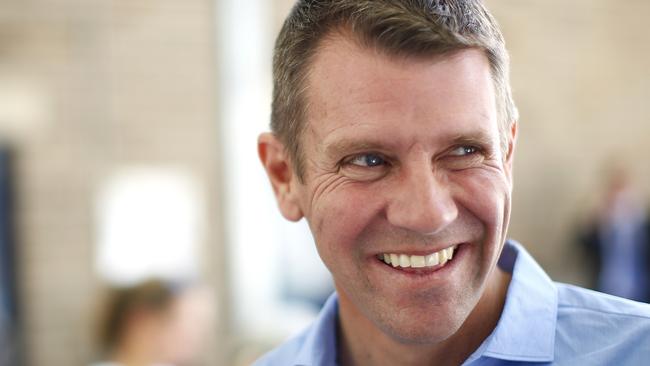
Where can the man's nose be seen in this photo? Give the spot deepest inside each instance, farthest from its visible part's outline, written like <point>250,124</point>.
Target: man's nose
<point>421,202</point>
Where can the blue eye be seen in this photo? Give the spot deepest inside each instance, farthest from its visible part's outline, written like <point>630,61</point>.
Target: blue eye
<point>464,150</point>
<point>368,160</point>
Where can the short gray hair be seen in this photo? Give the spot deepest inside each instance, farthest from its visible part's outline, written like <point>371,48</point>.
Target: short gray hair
<point>398,27</point>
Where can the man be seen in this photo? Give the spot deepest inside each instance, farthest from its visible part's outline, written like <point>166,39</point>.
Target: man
<point>617,239</point>
<point>393,135</point>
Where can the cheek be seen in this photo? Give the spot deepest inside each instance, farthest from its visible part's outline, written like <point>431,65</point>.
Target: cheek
<point>486,196</point>
<point>485,193</point>
<point>339,217</point>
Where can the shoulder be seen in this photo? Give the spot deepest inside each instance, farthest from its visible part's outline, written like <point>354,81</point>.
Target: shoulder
<point>593,328</point>
<point>316,345</point>
<point>286,353</point>
<point>576,300</point>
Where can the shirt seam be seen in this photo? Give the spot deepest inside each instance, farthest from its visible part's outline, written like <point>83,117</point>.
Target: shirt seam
<point>604,311</point>
<point>519,357</point>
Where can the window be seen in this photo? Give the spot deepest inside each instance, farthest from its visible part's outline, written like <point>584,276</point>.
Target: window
<point>148,225</point>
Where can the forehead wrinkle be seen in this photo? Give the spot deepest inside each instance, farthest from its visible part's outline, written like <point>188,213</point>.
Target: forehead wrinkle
<point>333,103</point>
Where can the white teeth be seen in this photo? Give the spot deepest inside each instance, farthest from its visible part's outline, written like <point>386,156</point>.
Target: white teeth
<point>418,261</point>
<point>444,256</point>
<point>394,260</point>
<point>433,259</point>
<point>404,261</point>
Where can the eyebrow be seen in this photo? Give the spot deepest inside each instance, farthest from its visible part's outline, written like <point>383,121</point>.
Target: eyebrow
<point>346,146</point>
<point>477,137</point>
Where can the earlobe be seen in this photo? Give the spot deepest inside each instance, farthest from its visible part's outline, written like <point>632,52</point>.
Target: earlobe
<point>278,167</point>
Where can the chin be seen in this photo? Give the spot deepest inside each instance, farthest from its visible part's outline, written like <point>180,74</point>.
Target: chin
<point>421,335</point>
<point>416,329</point>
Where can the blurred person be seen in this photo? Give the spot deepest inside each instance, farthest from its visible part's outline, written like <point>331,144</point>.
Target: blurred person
<point>154,323</point>
<point>617,239</point>
<point>10,327</point>
<point>393,135</point>
<point>7,339</point>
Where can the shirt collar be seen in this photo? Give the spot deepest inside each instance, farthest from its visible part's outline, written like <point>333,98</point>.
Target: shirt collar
<point>319,347</point>
<point>525,331</point>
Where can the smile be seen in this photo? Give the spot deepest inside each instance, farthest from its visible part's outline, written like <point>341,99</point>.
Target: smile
<point>418,261</point>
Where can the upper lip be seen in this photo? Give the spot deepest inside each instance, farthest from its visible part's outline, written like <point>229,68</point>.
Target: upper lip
<point>419,251</point>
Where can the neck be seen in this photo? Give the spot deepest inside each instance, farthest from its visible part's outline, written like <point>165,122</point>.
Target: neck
<point>367,345</point>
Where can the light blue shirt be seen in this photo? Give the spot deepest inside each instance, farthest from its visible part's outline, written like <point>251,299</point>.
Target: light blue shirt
<point>542,323</point>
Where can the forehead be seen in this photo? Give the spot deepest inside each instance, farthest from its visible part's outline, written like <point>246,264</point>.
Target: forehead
<point>350,85</point>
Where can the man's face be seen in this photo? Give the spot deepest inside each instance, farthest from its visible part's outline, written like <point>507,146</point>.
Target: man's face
<point>403,160</point>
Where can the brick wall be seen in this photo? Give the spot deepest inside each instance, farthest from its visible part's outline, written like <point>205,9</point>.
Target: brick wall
<point>101,84</point>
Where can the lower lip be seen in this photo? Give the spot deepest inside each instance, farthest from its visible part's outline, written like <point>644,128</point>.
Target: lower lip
<point>427,271</point>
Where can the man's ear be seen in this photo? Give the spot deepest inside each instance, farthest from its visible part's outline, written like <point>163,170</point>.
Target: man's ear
<point>512,143</point>
<point>284,181</point>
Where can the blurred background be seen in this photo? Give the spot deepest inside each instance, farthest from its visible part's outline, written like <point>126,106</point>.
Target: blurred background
<point>128,157</point>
